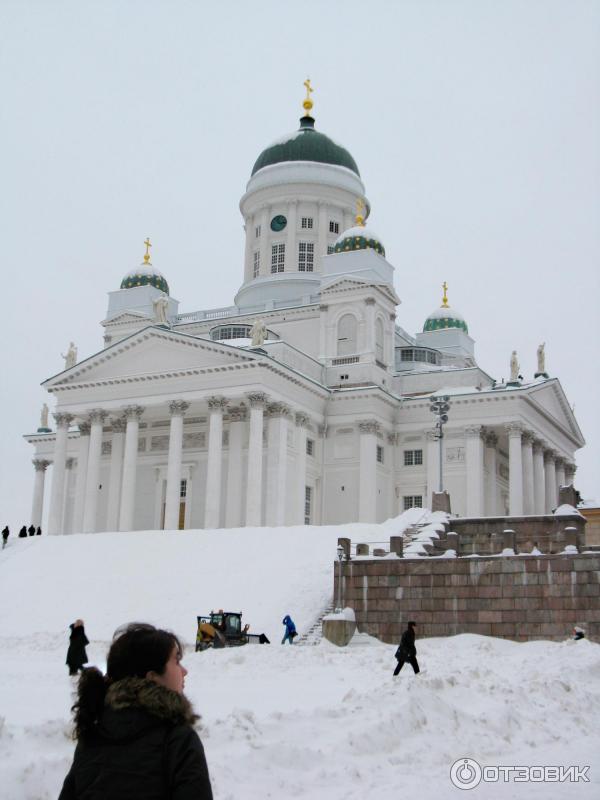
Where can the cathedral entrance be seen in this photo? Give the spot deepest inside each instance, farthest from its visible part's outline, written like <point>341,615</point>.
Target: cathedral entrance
<point>182,505</point>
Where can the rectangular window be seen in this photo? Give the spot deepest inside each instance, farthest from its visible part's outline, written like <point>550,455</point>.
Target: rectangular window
<point>310,447</point>
<point>413,501</point>
<point>413,458</point>
<point>256,264</point>
<point>334,227</point>
<point>379,454</point>
<point>277,257</point>
<point>307,222</point>
<point>183,489</point>
<point>307,504</point>
<point>257,231</point>
<point>306,256</point>
<point>330,249</point>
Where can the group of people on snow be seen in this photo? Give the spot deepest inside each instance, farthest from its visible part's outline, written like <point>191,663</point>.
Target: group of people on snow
<point>23,533</point>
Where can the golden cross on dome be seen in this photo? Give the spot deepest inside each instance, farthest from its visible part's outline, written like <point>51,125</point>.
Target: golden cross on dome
<point>360,207</point>
<point>148,246</point>
<point>445,297</point>
<point>308,103</point>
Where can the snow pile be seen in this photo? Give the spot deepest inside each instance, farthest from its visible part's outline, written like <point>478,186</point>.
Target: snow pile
<point>321,722</point>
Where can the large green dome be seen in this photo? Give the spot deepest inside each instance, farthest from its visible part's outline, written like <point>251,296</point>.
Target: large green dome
<point>306,144</point>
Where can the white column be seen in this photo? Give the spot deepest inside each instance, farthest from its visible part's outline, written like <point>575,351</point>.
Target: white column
<point>515,470</point>
<point>300,468</point>
<point>528,483</point>
<point>126,514</point>
<point>173,495</point>
<point>550,475</point>
<point>367,489</point>
<point>212,507</point>
<point>116,473</point>
<point>321,249</point>
<point>491,460</point>
<point>82,462</point>
<point>474,459</point>
<point>96,419</point>
<point>233,505</point>
<point>58,472</point>
<point>539,486</point>
<point>257,401</point>
<point>570,470</point>
<point>560,475</point>
<point>37,506</point>
<point>433,466</point>
<point>291,248</point>
<point>265,253</point>
<point>66,518</point>
<point>276,464</point>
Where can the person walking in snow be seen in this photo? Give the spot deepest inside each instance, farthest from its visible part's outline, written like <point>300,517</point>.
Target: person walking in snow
<point>38,531</point>
<point>290,630</point>
<point>23,532</point>
<point>5,535</point>
<point>406,649</point>
<point>578,633</point>
<point>135,727</point>
<point>76,655</point>
<point>31,530</point>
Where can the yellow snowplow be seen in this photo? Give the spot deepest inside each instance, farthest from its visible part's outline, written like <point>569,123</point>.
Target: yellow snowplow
<point>224,629</point>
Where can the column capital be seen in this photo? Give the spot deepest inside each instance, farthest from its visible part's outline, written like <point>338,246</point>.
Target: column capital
<point>178,408</point>
<point>549,455</point>
<point>527,437</point>
<point>559,461</point>
<point>238,413</point>
<point>369,301</point>
<point>69,463</point>
<point>302,420</point>
<point>473,431</point>
<point>491,439</point>
<point>514,430</point>
<point>63,419</point>
<point>323,307</point>
<point>392,438</point>
<point>84,428</point>
<point>217,403</point>
<point>537,444</point>
<point>257,399</point>
<point>129,412</point>
<point>97,415</point>
<point>570,467</point>
<point>278,410</point>
<point>118,424</point>
<point>369,426</point>
<point>40,464</point>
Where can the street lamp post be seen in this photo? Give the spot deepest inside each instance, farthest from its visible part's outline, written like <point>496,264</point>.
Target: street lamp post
<point>439,407</point>
<point>340,555</point>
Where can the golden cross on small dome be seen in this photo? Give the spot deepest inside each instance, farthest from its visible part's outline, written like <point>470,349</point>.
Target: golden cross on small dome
<point>308,103</point>
<point>360,207</point>
<point>148,246</point>
<point>445,297</point>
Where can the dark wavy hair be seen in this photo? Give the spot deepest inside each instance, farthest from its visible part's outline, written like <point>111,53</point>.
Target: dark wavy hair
<point>136,649</point>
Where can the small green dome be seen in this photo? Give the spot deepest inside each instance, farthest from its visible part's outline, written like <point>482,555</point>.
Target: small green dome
<point>306,144</point>
<point>444,318</point>
<point>359,238</point>
<point>145,275</point>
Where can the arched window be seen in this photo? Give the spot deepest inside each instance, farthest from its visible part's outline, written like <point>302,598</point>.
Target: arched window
<point>379,340</point>
<point>346,344</point>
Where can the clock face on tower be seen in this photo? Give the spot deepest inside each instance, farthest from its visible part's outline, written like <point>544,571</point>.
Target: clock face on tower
<point>278,223</point>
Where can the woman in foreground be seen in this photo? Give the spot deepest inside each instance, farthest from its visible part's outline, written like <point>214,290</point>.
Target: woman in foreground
<point>134,726</point>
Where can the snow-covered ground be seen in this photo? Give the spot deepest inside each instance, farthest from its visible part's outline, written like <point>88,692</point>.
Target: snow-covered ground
<point>285,722</point>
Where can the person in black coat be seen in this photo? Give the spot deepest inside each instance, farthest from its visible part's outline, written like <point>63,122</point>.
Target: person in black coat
<point>38,531</point>
<point>5,535</point>
<point>76,655</point>
<point>23,533</point>
<point>135,727</point>
<point>31,530</point>
<point>406,650</point>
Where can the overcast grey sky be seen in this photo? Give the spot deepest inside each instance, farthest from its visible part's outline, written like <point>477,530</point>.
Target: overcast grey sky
<point>475,126</point>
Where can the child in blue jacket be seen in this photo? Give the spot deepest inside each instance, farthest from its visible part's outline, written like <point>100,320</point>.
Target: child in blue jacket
<point>290,630</point>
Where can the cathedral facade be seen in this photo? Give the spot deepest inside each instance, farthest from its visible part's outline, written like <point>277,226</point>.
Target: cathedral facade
<point>304,402</point>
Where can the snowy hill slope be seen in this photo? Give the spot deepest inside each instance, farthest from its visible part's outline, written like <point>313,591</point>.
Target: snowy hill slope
<point>318,723</point>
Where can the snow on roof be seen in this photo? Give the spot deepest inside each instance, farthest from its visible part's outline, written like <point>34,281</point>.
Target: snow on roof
<point>358,230</point>
<point>446,313</point>
<point>566,511</point>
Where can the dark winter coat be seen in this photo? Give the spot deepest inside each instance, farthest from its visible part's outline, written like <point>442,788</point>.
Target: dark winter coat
<point>38,531</point>
<point>289,624</point>
<point>76,655</point>
<point>5,533</point>
<point>31,530</point>
<point>23,532</point>
<point>144,748</point>
<point>406,648</point>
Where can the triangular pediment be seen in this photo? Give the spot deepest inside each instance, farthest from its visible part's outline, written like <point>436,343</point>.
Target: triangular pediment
<point>345,284</point>
<point>551,401</point>
<point>153,351</point>
<point>127,317</point>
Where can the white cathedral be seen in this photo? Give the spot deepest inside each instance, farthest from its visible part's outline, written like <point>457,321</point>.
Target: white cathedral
<point>304,402</point>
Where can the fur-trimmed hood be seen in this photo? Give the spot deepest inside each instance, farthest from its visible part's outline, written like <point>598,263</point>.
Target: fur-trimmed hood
<point>133,705</point>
